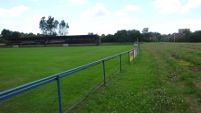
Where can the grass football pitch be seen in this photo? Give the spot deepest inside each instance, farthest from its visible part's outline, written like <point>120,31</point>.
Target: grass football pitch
<point>22,65</point>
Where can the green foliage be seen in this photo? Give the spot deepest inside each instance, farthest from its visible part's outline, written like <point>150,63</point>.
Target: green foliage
<point>108,38</point>
<point>49,26</point>
<point>151,37</point>
<point>63,28</point>
<point>186,36</point>
<point>6,33</point>
<point>132,35</point>
<point>15,34</point>
<point>196,36</point>
<point>2,40</point>
<point>122,36</point>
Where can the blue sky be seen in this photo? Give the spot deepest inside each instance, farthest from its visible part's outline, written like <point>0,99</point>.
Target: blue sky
<point>102,16</point>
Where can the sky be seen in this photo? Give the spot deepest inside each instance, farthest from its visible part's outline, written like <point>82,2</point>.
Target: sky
<point>102,16</point>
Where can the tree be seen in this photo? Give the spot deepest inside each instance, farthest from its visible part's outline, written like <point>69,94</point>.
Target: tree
<point>145,30</point>
<point>39,35</point>
<point>31,35</point>
<point>108,38</point>
<point>196,36</point>
<point>121,36</point>
<point>133,35</point>
<point>150,36</point>
<point>49,26</point>
<point>127,35</point>
<point>187,36</point>
<point>16,34</point>
<point>90,33</point>
<point>63,28</point>
<point>6,33</point>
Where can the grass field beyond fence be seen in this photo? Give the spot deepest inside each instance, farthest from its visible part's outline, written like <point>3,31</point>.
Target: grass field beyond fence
<point>164,78</point>
<point>22,65</point>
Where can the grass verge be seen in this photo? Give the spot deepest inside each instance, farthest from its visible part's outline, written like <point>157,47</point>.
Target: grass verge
<point>155,82</point>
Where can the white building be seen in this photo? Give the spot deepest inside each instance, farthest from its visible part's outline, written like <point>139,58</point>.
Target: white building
<point>182,30</point>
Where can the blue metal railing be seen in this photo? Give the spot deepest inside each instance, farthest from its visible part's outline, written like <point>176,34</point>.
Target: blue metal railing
<point>56,77</point>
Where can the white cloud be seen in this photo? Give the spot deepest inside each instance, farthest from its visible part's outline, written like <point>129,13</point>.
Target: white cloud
<point>31,24</point>
<point>6,22</point>
<point>167,6</point>
<point>175,6</point>
<point>172,27</point>
<point>129,20</point>
<point>190,5</point>
<point>124,17</point>
<point>34,0</point>
<point>59,6</point>
<point>77,1</point>
<point>98,11</point>
<point>34,20</point>
<point>13,12</point>
<point>192,24</point>
<point>99,19</point>
<point>28,29</point>
<point>131,8</point>
<point>120,13</point>
<point>128,8</point>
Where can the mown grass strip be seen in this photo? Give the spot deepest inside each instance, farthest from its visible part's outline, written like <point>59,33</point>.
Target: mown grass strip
<point>150,84</point>
<point>73,88</point>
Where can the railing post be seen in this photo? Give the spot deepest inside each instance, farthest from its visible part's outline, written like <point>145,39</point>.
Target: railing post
<point>104,73</point>
<point>129,58</point>
<point>59,94</point>
<point>134,53</point>
<point>120,64</point>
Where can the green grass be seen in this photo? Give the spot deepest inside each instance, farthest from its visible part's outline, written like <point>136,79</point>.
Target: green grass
<point>164,78</point>
<point>27,64</point>
<point>22,65</point>
<point>156,82</point>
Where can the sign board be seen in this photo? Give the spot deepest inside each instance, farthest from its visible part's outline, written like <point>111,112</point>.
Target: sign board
<point>65,45</point>
<point>15,46</point>
<point>131,56</point>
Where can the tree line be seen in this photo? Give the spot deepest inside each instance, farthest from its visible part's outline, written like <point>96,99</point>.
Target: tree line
<point>190,37</point>
<point>6,33</point>
<point>130,36</point>
<point>48,27</point>
<point>134,35</point>
<point>187,36</point>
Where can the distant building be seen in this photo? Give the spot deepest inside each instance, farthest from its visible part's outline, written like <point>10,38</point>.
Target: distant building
<point>56,40</point>
<point>183,30</point>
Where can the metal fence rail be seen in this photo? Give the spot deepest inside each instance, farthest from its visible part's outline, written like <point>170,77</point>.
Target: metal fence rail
<point>56,77</point>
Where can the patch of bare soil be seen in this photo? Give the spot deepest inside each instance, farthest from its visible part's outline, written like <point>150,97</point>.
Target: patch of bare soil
<point>196,68</point>
<point>197,84</point>
<point>194,105</point>
<point>174,56</point>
